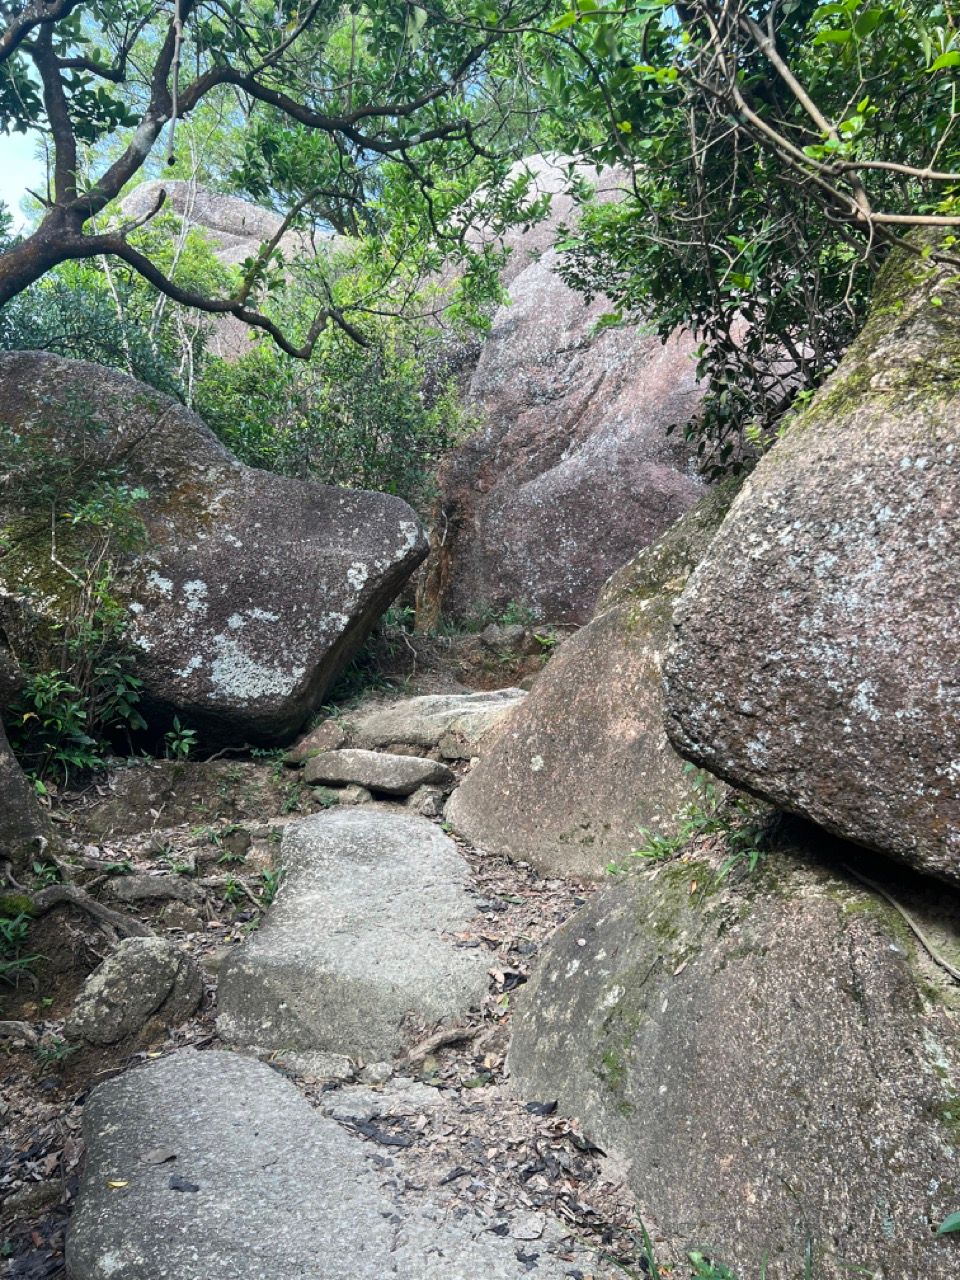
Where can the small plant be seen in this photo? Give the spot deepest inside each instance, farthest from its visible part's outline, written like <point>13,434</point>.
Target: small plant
<point>124,868</point>
<point>271,883</point>
<point>45,873</point>
<point>54,1051</point>
<point>950,1224</point>
<point>734,819</point>
<point>14,931</point>
<point>233,891</point>
<point>179,742</point>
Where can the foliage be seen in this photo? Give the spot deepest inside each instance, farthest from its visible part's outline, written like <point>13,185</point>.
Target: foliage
<point>270,881</point>
<point>14,930</point>
<point>380,120</point>
<point>950,1224</point>
<point>364,417</point>
<point>731,818</point>
<point>59,557</point>
<point>771,155</point>
<point>179,741</point>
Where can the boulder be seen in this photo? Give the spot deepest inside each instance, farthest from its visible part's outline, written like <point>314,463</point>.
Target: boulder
<point>252,590</point>
<point>773,1057</point>
<point>24,828</point>
<point>146,983</point>
<point>235,229</point>
<point>357,939</point>
<point>211,1166</point>
<point>583,767</point>
<point>454,723</point>
<point>392,775</point>
<point>572,471</point>
<point>328,736</point>
<point>817,645</point>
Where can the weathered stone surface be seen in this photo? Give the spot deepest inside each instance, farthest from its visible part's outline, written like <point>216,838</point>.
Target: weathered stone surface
<point>456,722</point>
<point>818,644</point>
<point>253,589</point>
<point>145,981</point>
<point>584,766</point>
<point>572,471</point>
<point>428,801</point>
<point>147,888</point>
<point>354,941</point>
<point>281,1191</point>
<point>774,1060</point>
<point>329,736</point>
<point>377,770</point>
<point>23,825</point>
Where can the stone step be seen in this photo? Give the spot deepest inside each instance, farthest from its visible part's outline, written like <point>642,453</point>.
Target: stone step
<point>357,939</point>
<point>212,1166</point>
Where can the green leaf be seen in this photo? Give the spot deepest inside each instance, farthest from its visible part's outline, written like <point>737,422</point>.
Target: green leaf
<point>867,23</point>
<point>949,59</point>
<point>833,37</point>
<point>950,1223</point>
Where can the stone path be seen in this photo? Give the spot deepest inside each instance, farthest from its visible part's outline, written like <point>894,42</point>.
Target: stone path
<point>361,936</point>
<point>210,1166</point>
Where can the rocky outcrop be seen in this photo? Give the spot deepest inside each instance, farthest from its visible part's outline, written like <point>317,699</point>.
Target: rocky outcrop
<point>145,984</point>
<point>773,1057</point>
<point>380,771</point>
<point>252,590</point>
<point>357,940</point>
<point>572,471</point>
<point>454,725</point>
<point>210,1166</point>
<point>817,646</point>
<point>584,767</point>
<point>23,825</point>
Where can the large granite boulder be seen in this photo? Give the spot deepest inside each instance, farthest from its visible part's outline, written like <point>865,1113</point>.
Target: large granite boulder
<point>211,1166</point>
<point>583,767</point>
<point>24,829</point>
<point>359,938</point>
<point>817,645</point>
<point>773,1057</point>
<point>572,470</point>
<point>251,591</point>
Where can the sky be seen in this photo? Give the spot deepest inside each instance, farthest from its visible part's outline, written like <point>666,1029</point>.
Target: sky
<point>19,169</point>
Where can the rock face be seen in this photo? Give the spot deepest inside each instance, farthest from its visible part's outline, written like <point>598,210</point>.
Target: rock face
<point>584,766</point>
<point>145,981</point>
<point>572,471</point>
<point>774,1061</point>
<point>354,942</point>
<point>258,1185</point>
<point>455,724</point>
<point>253,589</point>
<point>391,775</point>
<point>817,645</point>
<point>23,825</point>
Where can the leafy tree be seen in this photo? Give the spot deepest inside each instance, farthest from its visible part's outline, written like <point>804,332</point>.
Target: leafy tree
<point>346,106</point>
<point>773,153</point>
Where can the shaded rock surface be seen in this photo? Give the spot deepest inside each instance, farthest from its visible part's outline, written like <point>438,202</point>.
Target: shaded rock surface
<point>355,939</point>
<point>393,775</point>
<point>583,767</point>
<point>253,589</point>
<point>572,471</point>
<point>144,982</point>
<point>818,644</point>
<point>773,1058</point>
<point>259,1186</point>
<point>23,824</point>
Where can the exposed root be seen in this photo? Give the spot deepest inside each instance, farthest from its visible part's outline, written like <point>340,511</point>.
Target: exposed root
<point>448,1035</point>
<point>56,895</point>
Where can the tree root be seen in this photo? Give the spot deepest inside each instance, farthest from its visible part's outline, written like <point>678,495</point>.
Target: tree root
<point>55,895</point>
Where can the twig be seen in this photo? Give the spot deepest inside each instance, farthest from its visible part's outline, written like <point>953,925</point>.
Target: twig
<point>448,1035</point>
<point>914,927</point>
